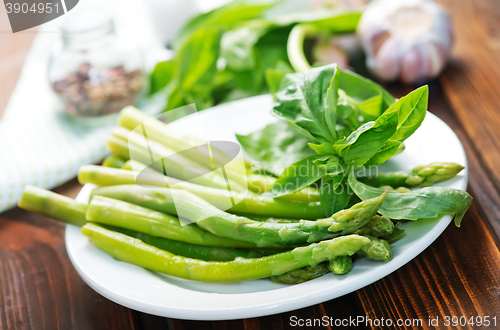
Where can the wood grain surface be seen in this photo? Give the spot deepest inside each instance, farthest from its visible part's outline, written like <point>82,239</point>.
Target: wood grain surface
<point>458,275</point>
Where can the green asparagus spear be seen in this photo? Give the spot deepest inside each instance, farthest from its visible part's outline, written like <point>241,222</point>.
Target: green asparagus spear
<point>52,205</point>
<point>263,218</point>
<point>68,210</point>
<point>377,227</point>
<point>377,249</point>
<point>340,265</point>
<point>103,176</point>
<point>256,183</point>
<point>240,228</point>
<point>128,249</point>
<point>120,148</point>
<point>153,198</point>
<point>420,176</point>
<point>176,165</point>
<point>125,215</point>
<point>159,132</point>
<point>267,251</point>
<point>262,183</point>
<point>207,253</point>
<point>113,161</point>
<point>133,165</point>
<point>302,275</point>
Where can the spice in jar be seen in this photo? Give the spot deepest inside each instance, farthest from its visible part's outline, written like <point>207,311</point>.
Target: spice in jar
<point>91,91</point>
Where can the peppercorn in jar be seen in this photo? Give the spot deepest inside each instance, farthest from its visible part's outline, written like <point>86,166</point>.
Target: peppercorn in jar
<point>93,73</point>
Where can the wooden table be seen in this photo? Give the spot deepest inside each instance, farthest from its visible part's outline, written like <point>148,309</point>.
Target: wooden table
<point>458,275</point>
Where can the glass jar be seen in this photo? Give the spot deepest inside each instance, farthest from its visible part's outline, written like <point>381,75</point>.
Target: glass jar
<point>92,72</point>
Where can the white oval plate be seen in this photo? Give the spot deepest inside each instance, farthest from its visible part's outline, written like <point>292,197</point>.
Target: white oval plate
<point>162,295</point>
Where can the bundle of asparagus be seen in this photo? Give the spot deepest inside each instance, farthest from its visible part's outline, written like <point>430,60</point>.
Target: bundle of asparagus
<point>288,238</point>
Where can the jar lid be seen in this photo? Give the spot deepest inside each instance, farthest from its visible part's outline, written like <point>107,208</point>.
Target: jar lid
<point>87,25</point>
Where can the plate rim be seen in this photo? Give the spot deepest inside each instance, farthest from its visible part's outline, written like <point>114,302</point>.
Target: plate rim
<point>266,308</point>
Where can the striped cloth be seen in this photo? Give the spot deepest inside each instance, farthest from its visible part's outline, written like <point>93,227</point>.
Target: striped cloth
<point>39,144</point>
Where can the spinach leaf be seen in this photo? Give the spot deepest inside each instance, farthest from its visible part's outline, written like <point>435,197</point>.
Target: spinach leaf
<point>304,104</point>
<point>275,147</point>
<point>196,60</point>
<point>426,203</point>
<point>267,52</point>
<point>271,47</point>
<point>252,42</point>
<point>192,76</point>
<point>195,67</point>
<point>297,176</point>
<point>237,48</point>
<point>330,21</point>
<point>224,18</point>
<point>161,76</point>
<point>274,76</point>
<point>334,194</point>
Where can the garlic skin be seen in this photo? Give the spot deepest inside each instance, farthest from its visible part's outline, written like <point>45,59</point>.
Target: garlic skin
<point>408,40</point>
<point>328,51</point>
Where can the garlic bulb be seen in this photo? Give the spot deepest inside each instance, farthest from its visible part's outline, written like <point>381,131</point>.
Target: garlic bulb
<point>408,40</point>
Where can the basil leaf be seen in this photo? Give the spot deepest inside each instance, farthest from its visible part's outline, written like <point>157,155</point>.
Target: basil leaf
<point>291,79</point>
<point>367,96</point>
<point>303,103</point>
<point>375,142</point>
<point>322,149</point>
<point>332,163</point>
<point>389,149</point>
<point>275,147</point>
<point>412,109</point>
<point>363,143</point>
<point>348,116</point>
<point>425,203</point>
<point>297,176</point>
<point>330,108</point>
<point>334,194</point>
